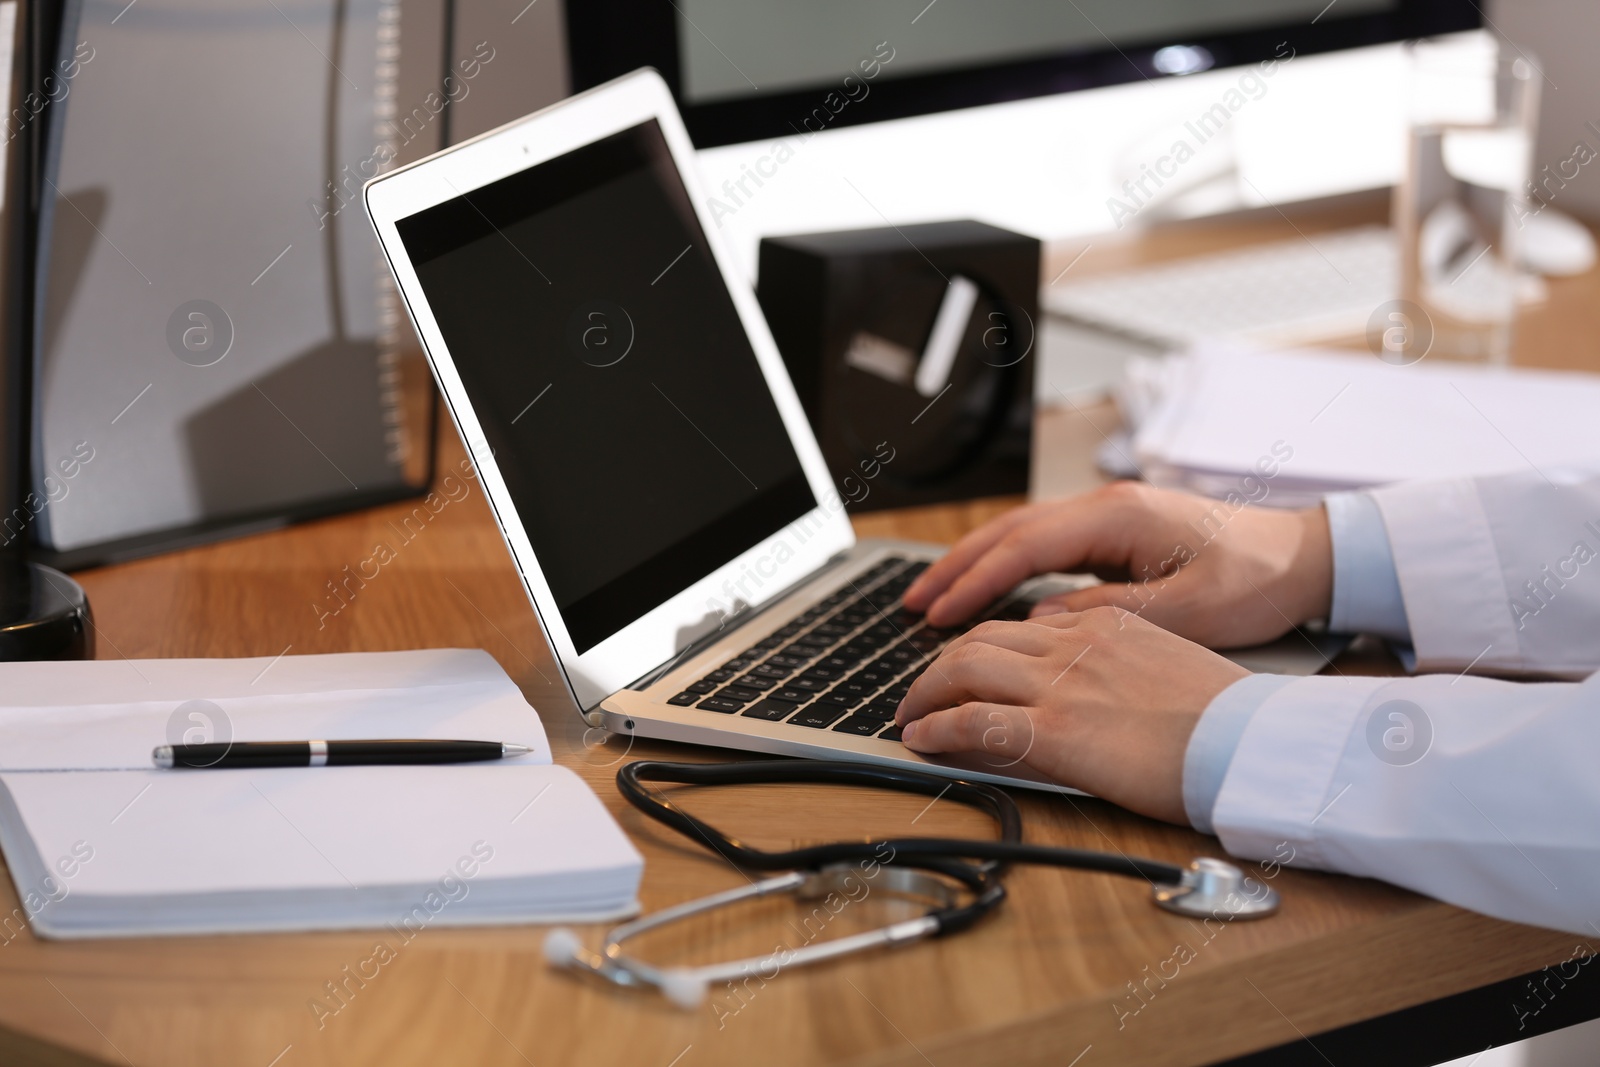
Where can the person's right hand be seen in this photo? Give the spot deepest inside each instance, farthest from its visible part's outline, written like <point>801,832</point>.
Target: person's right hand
<point>1222,577</point>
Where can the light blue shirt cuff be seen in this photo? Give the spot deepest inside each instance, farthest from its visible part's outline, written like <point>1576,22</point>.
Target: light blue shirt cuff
<point>1215,737</point>
<point>1366,587</point>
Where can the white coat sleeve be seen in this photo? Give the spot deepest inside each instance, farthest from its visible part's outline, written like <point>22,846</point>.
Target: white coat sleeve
<point>1499,574</point>
<point>1480,792</point>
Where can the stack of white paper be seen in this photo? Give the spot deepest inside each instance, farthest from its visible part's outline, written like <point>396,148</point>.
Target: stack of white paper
<point>101,844</point>
<point>1283,428</point>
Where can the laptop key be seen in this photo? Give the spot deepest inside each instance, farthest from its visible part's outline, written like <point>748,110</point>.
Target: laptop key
<point>886,596</point>
<point>702,686</point>
<point>785,659</point>
<point>860,690</point>
<point>817,716</point>
<point>683,699</point>
<point>826,674</point>
<point>880,709</point>
<point>771,710</point>
<point>740,693</point>
<point>727,707</point>
<point>791,694</point>
<point>855,724</point>
<point>892,733</point>
<point>721,674</point>
<point>873,677</point>
<point>810,685</point>
<point>842,699</point>
<point>770,670</point>
<point>754,681</point>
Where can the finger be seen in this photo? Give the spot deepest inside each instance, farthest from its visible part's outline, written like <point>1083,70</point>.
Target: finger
<point>1003,730</point>
<point>937,578</point>
<point>1108,595</point>
<point>1050,605</point>
<point>1029,638</point>
<point>974,672</point>
<point>1167,602</point>
<point>1063,539</point>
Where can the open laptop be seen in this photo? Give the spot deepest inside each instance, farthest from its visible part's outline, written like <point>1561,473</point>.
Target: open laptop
<point>640,443</point>
<point>642,448</point>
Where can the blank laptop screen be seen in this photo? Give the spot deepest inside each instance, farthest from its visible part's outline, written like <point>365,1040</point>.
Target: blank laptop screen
<point>616,387</point>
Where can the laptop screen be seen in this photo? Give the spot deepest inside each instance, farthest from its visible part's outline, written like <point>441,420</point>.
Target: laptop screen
<point>611,374</point>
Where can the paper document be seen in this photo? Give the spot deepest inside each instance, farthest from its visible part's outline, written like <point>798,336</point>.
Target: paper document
<point>1282,428</point>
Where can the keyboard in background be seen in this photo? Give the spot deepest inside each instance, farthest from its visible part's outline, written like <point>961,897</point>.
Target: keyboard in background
<point>1288,292</point>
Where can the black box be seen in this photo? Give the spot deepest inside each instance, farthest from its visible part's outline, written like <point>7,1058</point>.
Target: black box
<point>853,313</point>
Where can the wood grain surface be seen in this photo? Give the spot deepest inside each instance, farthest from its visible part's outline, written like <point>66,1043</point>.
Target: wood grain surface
<point>1076,968</point>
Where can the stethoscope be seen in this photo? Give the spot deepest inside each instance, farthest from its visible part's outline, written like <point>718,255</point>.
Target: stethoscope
<point>959,880</point>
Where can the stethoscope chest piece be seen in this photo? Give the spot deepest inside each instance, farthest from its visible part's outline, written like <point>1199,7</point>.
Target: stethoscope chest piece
<point>1212,888</point>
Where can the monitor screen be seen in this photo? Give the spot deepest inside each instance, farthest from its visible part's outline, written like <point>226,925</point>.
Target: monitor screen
<point>766,46</point>
<point>752,70</point>
<point>615,383</point>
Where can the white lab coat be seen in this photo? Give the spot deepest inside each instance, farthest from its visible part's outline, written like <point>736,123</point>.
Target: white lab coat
<point>1481,792</point>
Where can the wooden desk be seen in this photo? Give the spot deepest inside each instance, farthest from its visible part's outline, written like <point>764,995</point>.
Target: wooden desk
<point>1047,980</point>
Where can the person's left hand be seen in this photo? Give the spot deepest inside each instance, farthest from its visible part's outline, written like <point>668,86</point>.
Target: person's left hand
<point>1099,700</point>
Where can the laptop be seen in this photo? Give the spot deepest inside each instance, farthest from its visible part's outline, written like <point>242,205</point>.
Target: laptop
<point>642,448</point>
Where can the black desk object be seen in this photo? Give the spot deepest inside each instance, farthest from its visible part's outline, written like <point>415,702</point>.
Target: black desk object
<point>852,313</point>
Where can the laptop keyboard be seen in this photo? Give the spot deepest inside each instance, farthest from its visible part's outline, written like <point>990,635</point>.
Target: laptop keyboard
<point>844,664</point>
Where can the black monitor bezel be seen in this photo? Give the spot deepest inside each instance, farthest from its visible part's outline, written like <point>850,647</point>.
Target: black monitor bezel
<point>608,38</point>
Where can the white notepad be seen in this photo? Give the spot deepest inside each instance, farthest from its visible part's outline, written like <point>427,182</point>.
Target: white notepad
<point>100,844</point>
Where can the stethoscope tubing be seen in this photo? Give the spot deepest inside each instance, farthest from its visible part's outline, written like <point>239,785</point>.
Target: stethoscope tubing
<point>926,852</point>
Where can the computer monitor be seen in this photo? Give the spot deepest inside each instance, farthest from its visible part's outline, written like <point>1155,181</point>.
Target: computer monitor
<point>748,70</point>
<point>1033,115</point>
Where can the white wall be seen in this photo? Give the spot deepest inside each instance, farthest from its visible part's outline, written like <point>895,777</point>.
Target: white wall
<point>1562,35</point>
<point>529,69</point>
<point>1314,126</point>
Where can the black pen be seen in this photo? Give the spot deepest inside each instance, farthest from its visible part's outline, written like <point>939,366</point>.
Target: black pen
<point>225,754</point>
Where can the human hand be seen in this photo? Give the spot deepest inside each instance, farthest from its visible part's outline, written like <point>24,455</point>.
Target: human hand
<point>1223,577</point>
<point>1099,700</point>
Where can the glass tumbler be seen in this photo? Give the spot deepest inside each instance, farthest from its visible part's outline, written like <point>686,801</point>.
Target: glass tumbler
<point>1473,109</point>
